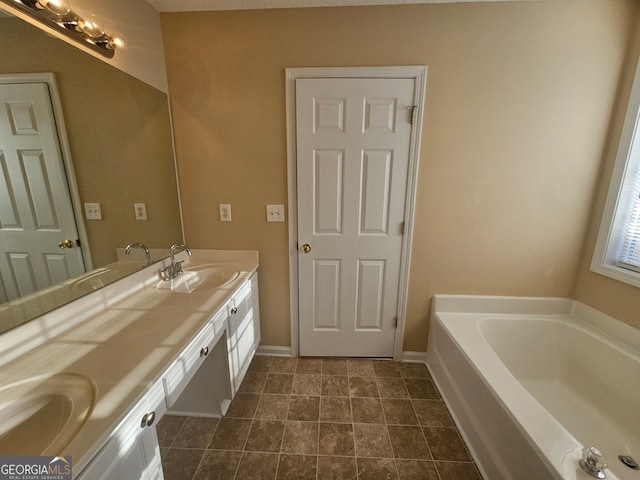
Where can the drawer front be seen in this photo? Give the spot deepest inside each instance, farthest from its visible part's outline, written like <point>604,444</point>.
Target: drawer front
<point>153,401</point>
<point>239,306</point>
<point>181,371</point>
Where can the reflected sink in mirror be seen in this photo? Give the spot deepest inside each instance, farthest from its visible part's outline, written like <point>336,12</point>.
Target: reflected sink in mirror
<point>103,276</point>
<point>200,277</point>
<point>42,415</point>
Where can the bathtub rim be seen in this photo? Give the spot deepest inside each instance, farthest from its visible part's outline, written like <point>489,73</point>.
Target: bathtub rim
<point>535,423</point>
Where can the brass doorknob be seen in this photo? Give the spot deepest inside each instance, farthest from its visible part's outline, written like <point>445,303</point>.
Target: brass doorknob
<point>66,244</point>
<point>306,248</point>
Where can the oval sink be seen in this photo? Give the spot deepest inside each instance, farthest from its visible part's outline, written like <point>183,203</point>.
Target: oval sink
<point>102,277</point>
<point>41,415</point>
<point>201,277</point>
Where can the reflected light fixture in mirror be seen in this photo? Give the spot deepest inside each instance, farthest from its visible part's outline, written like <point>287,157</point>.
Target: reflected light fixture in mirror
<point>58,15</point>
<point>91,26</point>
<point>59,7</point>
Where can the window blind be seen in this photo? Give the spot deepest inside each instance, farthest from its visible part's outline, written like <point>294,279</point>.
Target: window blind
<point>630,246</point>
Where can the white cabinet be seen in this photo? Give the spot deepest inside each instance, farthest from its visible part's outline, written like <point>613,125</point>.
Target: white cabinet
<point>132,451</point>
<point>243,335</point>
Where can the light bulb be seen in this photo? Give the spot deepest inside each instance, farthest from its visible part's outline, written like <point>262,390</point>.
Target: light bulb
<point>91,26</point>
<point>59,7</point>
<point>117,41</point>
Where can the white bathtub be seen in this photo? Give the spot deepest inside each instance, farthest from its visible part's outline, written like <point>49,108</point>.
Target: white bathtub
<point>530,381</point>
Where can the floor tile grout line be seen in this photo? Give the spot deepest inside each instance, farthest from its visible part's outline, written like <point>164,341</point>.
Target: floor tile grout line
<point>284,431</point>
<point>178,432</point>
<point>235,474</point>
<point>318,423</point>
<point>205,449</point>
<point>423,435</point>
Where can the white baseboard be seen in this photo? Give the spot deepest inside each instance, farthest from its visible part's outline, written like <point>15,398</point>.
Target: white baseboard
<point>414,357</point>
<point>274,351</point>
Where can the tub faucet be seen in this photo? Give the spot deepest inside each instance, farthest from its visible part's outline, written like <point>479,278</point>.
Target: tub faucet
<point>175,269</point>
<point>147,255</point>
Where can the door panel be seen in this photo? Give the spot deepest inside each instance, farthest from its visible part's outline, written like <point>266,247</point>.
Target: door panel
<point>36,213</point>
<point>327,191</point>
<point>353,142</point>
<point>327,294</point>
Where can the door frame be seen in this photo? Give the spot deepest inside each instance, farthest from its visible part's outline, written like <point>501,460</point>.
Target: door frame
<point>415,72</point>
<point>65,150</point>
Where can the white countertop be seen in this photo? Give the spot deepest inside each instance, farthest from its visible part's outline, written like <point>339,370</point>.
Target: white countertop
<point>122,337</point>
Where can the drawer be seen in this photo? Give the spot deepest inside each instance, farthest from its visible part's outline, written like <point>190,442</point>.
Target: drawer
<point>153,401</point>
<point>184,368</point>
<point>238,307</point>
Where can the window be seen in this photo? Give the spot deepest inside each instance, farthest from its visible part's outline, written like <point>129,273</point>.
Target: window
<point>617,253</point>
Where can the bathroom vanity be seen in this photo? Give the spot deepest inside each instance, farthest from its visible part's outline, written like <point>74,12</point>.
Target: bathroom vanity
<point>110,365</point>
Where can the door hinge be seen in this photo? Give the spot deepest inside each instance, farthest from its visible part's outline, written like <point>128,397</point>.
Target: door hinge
<point>414,113</point>
<point>395,322</point>
<point>77,242</point>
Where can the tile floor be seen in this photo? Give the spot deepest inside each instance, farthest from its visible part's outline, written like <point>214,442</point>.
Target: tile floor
<point>322,419</point>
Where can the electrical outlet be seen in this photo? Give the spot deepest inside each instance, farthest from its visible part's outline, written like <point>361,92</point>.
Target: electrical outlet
<point>275,213</point>
<point>93,211</point>
<point>141,211</point>
<point>225,212</point>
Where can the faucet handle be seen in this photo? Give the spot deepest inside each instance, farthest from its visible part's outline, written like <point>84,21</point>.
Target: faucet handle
<point>177,268</point>
<point>593,462</point>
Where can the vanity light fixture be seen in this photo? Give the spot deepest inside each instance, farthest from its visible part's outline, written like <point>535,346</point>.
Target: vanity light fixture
<point>58,15</point>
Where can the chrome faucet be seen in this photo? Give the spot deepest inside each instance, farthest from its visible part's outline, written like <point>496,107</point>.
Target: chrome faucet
<point>147,255</point>
<point>175,269</point>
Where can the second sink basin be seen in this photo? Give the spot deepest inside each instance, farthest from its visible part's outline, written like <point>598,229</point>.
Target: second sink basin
<point>41,415</point>
<point>102,276</point>
<point>201,277</point>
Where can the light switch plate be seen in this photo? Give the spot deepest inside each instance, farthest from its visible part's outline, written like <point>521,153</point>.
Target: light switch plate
<point>93,211</point>
<point>141,211</point>
<point>275,213</point>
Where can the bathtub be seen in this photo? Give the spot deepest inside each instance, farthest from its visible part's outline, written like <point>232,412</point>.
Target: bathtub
<point>531,381</point>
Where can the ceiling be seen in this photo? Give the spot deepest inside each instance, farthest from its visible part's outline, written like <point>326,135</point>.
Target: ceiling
<point>204,5</point>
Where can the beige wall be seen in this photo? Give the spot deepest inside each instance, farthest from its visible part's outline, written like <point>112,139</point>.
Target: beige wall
<point>119,135</point>
<point>610,296</point>
<point>519,99</point>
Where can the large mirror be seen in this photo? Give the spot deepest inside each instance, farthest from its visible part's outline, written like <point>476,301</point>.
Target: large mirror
<point>118,141</point>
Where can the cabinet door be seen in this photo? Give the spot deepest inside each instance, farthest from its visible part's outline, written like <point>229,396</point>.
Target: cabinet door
<point>244,329</point>
<point>133,451</point>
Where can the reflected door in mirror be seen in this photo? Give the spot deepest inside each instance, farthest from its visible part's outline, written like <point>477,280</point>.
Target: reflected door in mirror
<point>36,214</point>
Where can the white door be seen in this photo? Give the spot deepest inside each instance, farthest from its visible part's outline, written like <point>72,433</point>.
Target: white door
<point>353,144</point>
<point>36,213</point>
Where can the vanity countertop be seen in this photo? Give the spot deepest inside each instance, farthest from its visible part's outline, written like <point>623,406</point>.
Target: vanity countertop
<point>121,337</point>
